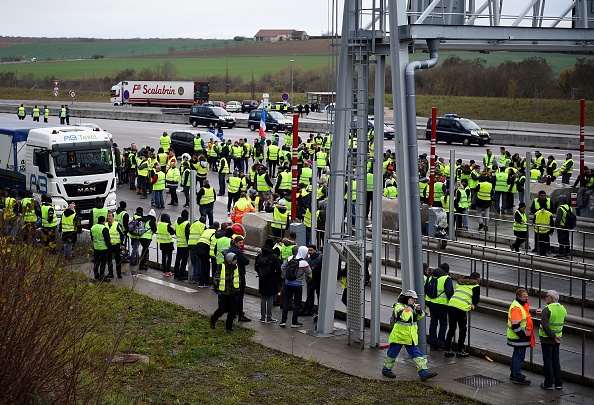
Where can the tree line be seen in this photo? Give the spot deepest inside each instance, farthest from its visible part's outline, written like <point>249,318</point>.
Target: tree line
<point>531,78</point>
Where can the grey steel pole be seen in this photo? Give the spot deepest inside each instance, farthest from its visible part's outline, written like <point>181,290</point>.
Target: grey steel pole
<point>376,209</point>
<point>193,203</point>
<point>314,202</point>
<point>452,193</point>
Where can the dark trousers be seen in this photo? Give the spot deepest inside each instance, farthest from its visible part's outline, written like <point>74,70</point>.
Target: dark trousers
<point>226,304</point>
<point>222,178</point>
<point>456,319</point>
<point>272,167</point>
<point>99,262</point>
<point>173,195</point>
<point>240,294</point>
<point>132,179</point>
<point>368,203</point>
<point>113,253</point>
<point>166,258</point>
<point>181,262</point>
<point>313,289</point>
<point>543,242</point>
<point>144,255</point>
<point>142,184</point>
<point>231,199</point>
<point>551,365</point>
<point>295,293</point>
<point>439,315</point>
<point>521,237</point>
<point>207,212</point>
<point>564,244</point>
<point>204,276</point>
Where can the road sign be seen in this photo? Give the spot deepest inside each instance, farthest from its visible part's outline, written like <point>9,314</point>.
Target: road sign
<point>56,83</point>
<point>56,92</point>
<point>285,96</point>
<point>72,93</point>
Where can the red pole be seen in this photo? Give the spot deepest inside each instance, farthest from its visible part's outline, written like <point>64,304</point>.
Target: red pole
<point>432,162</point>
<point>294,166</point>
<point>582,138</point>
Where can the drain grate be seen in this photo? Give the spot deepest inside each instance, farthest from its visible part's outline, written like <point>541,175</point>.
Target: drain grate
<point>478,381</point>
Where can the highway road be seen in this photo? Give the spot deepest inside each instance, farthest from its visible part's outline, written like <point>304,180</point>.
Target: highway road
<point>127,132</point>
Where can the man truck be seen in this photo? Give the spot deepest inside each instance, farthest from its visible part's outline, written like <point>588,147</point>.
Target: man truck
<point>159,93</point>
<point>70,164</point>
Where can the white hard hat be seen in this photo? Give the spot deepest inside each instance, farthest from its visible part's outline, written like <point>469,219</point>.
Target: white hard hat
<point>411,294</point>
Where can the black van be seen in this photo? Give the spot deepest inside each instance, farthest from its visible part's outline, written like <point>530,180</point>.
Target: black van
<point>451,128</point>
<point>217,116</point>
<point>274,121</point>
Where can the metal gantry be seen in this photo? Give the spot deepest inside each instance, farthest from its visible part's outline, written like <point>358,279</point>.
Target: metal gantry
<point>371,31</point>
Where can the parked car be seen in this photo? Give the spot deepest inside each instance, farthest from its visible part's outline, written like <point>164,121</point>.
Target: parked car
<point>388,130</point>
<point>248,105</point>
<point>201,115</point>
<point>283,107</point>
<point>183,141</point>
<point>451,128</point>
<point>218,104</point>
<point>274,121</point>
<point>233,106</point>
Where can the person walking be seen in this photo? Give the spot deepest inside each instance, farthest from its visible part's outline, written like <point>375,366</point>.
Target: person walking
<point>550,333</point>
<point>226,285</point>
<point>236,246</point>
<point>101,241</point>
<point>465,298</point>
<point>405,333</point>
<point>293,271</point>
<point>519,335</point>
<point>35,113</point>
<point>165,234</point>
<point>438,305</point>
<point>22,113</point>
<point>268,269</point>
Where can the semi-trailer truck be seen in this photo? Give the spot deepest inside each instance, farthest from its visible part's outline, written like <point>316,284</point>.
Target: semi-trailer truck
<point>67,163</point>
<point>159,93</point>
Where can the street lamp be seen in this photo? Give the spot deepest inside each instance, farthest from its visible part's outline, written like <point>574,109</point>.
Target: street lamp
<point>292,64</point>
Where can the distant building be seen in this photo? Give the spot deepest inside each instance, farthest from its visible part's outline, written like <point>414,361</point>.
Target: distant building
<point>280,35</point>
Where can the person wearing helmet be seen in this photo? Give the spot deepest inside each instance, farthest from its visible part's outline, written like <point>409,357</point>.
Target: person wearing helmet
<point>405,333</point>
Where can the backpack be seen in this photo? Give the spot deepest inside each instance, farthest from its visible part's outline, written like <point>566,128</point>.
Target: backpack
<point>263,266</point>
<point>570,219</point>
<point>136,227</point>
<point>291,274</point>
<point>396,316</point>
<point>431,287</point>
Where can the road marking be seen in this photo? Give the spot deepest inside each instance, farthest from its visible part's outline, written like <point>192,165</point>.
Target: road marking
<point>166,283</point>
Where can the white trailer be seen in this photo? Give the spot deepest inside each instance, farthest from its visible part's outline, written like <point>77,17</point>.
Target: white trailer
<point>67,163</point>
<point>159,93</point>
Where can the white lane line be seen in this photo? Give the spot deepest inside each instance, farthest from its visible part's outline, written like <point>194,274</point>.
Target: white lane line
<point>167,284</point>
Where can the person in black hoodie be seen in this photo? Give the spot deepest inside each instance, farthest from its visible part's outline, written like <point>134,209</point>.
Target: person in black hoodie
<point>268,268</point>
<point>242,261</point>
<point>165,234</point>
<point>313,283</point>
<point>439,307</point>
<point>182,231</point>
<point>150,223</point>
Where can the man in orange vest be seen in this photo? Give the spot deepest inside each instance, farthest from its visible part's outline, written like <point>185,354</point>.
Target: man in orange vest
<point>242,206</point>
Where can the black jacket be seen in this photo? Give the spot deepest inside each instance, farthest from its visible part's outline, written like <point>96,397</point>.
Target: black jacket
<point>268,286</point>
<point>242,260</point>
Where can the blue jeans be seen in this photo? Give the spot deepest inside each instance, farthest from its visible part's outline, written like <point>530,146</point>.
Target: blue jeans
<point>134,242</point>
<point>159,201</point>
<point>207,212</point>
<point>515,366</point>
<point>551,364</point>
<point>414,353</point>
<point>439,314</point>
<point>295,292</point>
<point>500,201</point>
<point>195,266</point>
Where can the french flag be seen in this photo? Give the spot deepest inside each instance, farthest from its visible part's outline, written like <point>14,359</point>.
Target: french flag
<point>263,125</point>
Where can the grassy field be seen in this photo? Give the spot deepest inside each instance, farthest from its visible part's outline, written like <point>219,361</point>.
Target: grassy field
<point>191,364</point>
<point>86,48</point>
<point>197,59</point>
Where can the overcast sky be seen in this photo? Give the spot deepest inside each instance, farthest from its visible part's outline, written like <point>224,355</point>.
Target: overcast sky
<point>180,19</point>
